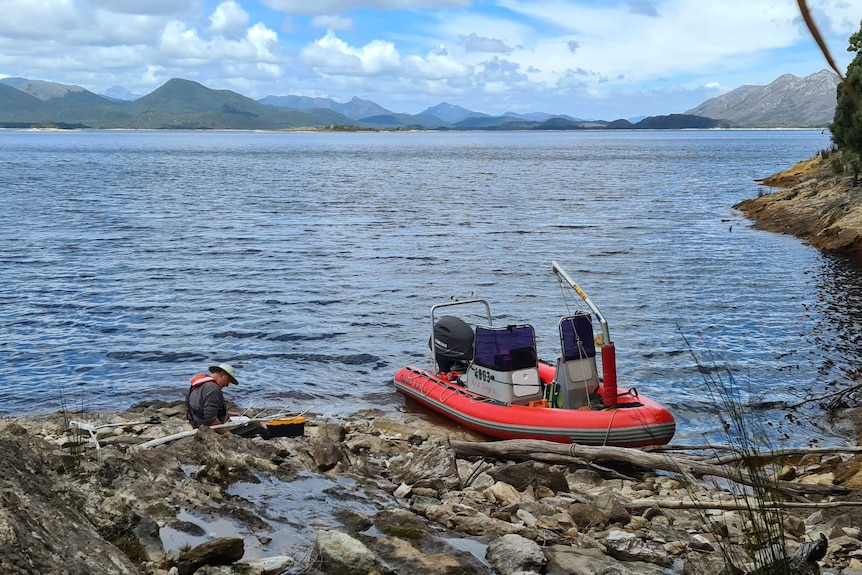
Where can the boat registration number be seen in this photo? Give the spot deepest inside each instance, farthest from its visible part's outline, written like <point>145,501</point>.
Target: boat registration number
<point>483,375</point>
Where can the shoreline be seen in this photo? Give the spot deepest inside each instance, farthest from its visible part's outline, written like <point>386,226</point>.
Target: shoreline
<point>397,492</point>
<point>812,203</point>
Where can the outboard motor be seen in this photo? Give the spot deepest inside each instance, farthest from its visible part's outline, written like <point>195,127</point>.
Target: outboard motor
<point>453,344</point>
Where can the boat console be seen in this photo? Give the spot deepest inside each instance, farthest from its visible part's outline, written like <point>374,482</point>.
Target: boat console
<point>576,377</point>
<point>505,364</point>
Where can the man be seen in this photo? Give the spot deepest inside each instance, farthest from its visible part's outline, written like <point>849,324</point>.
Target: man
<point>205,403</point>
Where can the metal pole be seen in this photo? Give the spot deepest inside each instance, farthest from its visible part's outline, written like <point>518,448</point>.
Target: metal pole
<point>606,334</point>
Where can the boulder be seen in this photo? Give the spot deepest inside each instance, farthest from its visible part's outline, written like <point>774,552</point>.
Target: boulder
<point>42,526</point>
<point>512,553</point>
<point>341,554</point>
<point>220,551</point>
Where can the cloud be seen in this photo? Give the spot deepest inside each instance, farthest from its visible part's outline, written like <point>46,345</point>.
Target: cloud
<point>330,22</point>
<point>644,7</point>
<point>331,55</point>
<point>229,19</point>
<point>143,7</point>
<point>334,6</point>
<point>616,41</point>
<point>476,43</point>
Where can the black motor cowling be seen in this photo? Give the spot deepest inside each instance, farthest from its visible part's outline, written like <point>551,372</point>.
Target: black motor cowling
<point>453,343</point>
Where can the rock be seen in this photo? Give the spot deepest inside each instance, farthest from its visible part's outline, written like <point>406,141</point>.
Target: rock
<point>326,448</point>
<point>628,547</point>
<point>821,208</point>
<point>566,560</point>
<point>483,525</point>
<point>583,478</point>
<point>526,517</point>
<point>220,551</point>
<point>268,565</point>
<point>402,556</point>
<point>428,466</point>
<point>438,527</point>
<point>400,523</point>
<point>504,494</point>
<point>402,491</point>
<point>611,506</point>
<point>587,516</point>
<point>42,525</point>
<point>512,553</point>
<point>531,473</point>
<point>341,554</point>
<point>146,531</point>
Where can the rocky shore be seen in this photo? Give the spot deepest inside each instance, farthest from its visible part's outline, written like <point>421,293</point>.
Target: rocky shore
<point>390,494</point>
<point>815,201</point>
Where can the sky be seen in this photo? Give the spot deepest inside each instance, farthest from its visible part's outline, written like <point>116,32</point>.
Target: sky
<point>589,59</point>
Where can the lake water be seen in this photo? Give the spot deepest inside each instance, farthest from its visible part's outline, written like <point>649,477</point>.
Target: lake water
<point>132,260</point>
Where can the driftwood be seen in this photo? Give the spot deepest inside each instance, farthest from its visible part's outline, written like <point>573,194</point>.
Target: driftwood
<point>559,452</point>
<point>731,505</point>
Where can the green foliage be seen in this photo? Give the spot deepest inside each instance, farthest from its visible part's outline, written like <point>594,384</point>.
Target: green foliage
<point>846,125</point>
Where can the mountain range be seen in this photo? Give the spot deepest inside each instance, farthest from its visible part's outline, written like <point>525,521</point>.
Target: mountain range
<point>788,102</point>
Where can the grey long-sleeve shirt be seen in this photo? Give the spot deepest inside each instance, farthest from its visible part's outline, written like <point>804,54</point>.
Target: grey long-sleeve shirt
<point>205,403</point>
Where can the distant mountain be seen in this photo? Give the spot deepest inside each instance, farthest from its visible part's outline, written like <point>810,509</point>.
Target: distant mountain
<point>787,102</point>
<point>409,121</point>
<point>183,104</point>
<point>178,104</point>
<point>58,96</point>
<point>452,113</point>
<point>532,116</point>
<point>540,116</point>
<point>679,122</point>
<point>19,107</point>
<point>120,93</point>
<point>498,122</point>
<point>356,108</point>
<point>41,89</point>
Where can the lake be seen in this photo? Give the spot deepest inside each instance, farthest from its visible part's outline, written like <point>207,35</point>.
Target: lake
<point>310,261</point>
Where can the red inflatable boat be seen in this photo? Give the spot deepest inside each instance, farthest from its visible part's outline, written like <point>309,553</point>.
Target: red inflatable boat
<point>489,379</point>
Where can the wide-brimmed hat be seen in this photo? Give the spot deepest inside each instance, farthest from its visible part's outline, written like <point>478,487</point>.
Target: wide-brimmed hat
<point>228,369</point>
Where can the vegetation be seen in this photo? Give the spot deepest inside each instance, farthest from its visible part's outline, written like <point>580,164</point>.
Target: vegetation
<point>846,125</point>
<point>755,489</point>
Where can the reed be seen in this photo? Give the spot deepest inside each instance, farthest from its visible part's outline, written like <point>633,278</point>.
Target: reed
<point>761,542</point>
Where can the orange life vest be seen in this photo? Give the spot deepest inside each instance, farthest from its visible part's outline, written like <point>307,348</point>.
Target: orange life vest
<point>201,379</point>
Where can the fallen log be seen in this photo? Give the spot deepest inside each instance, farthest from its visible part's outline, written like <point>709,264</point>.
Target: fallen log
<point>557,452</point>
<point>742,504</point>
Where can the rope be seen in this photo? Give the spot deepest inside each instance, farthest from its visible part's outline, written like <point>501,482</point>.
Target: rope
<point>610,425</point>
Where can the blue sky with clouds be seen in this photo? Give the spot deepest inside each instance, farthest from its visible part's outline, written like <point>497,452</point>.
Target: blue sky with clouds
<point>597,59</point>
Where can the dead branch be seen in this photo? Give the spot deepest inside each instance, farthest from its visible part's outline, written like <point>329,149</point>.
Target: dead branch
<point>764,456</point>
<point>742,505</point>
<point>550,451</point>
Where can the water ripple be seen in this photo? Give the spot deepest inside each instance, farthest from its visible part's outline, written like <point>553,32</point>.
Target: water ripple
<point>133,260</point>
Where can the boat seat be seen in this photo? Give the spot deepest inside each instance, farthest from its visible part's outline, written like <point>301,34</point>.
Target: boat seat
<point>576,373</point>
<point>505,364</point>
